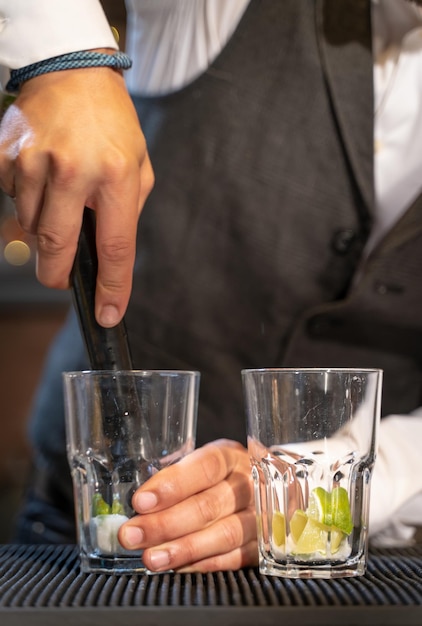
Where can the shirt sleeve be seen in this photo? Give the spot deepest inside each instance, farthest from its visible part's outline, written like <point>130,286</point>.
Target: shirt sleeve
<point>396,490</point>
<point>396,484</point>
<point>34,30</point>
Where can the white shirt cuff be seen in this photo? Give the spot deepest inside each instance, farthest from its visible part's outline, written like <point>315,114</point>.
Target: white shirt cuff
<point>31,31</point>
<point>396,490</point>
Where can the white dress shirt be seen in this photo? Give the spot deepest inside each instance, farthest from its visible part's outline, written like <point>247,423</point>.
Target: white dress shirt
<point>32,30</point>
<point>398,111</point>
<point>178,39</point>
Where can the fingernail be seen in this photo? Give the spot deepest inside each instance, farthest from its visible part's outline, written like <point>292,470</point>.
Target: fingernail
<point>145,501</point>
<point>109,315</point>
<point>159,559</point>
<point>132,536</point>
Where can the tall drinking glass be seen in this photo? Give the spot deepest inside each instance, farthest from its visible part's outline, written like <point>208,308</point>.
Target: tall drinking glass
<point>122,427</point>
<point>312,436</point>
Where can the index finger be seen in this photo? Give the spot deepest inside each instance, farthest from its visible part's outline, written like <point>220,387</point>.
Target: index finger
<point>198,471</point>
<point>118,208</point>
<point>116,246</point>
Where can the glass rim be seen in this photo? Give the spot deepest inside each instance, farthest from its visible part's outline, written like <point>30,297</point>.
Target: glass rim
<point>138,372</point>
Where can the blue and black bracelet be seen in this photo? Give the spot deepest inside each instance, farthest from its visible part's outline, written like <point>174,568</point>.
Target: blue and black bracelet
<point>72,60</point>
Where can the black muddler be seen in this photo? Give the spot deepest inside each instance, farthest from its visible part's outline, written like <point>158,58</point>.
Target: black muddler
<point>107,348</point>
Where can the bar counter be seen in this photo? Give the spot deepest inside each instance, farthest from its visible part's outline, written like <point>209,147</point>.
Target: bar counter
<point>43,586</point>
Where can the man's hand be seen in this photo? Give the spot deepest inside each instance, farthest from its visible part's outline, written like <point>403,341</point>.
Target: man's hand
<point>197,515</point>
<point>72,139</point>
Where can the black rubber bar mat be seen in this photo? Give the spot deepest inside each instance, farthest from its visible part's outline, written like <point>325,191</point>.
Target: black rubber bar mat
<point>43,585</point>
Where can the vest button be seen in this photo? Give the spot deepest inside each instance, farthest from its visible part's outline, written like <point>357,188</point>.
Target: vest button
<point>343,240</point>
<point>382,288</point>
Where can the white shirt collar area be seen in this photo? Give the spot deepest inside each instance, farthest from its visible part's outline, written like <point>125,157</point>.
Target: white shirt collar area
<point>397,34</point>
<point>392,20</point>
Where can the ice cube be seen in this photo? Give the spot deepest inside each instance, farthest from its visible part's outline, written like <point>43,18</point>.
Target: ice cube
<point>104,529</point>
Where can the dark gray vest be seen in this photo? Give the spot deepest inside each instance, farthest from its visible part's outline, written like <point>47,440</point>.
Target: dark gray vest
<point>250,240</point>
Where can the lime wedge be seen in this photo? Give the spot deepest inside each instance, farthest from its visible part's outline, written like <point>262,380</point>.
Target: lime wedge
<point>331,509</point>
<point>336,538</point>
<point>99,505</point>
<point>117,507</point>
<point>319,507</point>
<point>279,528</point>
<point>340,510</point>
<point>297,524</point>
<point>312,539</point>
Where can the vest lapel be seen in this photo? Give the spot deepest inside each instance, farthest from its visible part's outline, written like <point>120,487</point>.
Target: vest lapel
<point>344,31</point>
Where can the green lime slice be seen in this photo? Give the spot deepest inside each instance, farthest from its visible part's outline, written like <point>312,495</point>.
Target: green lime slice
<point>331,509</point>
<point>312,539</point>
<point>99,505</point>
<point>340,510</point>
<point>336,538</point>
<point>279,528</point>
<point>297,524</point>
<point>319,507</point>
<point>117,507</point>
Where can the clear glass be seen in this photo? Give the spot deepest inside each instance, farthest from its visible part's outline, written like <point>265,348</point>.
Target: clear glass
<point>122,427</point>
<point>312,436</point>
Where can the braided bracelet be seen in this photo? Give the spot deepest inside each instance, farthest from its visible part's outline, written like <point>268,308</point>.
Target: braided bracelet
<point>72,60</point>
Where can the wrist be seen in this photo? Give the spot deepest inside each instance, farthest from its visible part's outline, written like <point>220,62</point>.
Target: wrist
<point>103,57</point>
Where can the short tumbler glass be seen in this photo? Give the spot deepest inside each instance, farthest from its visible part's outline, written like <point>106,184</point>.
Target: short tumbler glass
<point>122,427</point>
<point>312,436</point>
